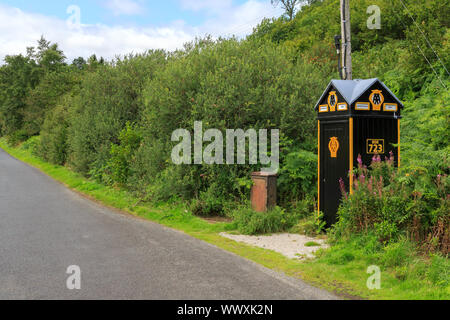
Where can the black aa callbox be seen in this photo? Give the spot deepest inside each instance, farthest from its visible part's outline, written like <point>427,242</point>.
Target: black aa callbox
<point>355,117</point>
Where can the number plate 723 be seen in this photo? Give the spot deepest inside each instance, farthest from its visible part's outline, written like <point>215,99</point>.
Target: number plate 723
<point>375,146</point>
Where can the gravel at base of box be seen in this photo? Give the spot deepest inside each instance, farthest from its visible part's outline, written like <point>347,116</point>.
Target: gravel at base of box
<point>290,245</point>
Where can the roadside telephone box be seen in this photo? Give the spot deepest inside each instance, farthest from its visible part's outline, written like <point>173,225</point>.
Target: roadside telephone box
<point>355,117</point>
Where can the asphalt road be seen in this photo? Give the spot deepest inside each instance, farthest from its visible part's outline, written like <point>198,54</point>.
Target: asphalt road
<point>45,228</point>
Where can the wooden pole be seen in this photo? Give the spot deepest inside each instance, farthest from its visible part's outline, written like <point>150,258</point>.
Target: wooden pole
<point>346,40</point>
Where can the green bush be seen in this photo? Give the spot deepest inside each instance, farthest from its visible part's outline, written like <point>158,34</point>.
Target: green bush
<point>438,271</point>
<point>226,84</point>
<point>109,98</point>
<point>426,134</point>
<point>33,145</point>
<point>122,154</point>
<point>251,222</point>
<point>172,183</point>
<point>340,257</point>
<point>210,202</point>
<point>17,137</point>
<point>305,207</point>
<point>54,135</point>
<point>298,176</point>
<point>50,92</point>
<point>207,205</point>
<point>389,204</point>
<point>397,253</point>
<point>311,225</point>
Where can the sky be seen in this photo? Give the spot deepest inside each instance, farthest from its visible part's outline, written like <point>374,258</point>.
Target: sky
<point>109,28</point>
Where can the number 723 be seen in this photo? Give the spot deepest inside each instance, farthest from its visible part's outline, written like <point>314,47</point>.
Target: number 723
<point>375,146</point>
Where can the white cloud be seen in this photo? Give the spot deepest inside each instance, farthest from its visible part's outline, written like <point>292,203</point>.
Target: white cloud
<point>212,6</point>
<point>238,20</point>
<point>19,29</point>
<point>124,7</point>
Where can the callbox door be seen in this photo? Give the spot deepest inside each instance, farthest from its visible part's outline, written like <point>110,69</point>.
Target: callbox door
<point>334,164</point>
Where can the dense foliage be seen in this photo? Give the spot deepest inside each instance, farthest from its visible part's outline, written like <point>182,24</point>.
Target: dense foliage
<point>392,205</point>
<point>251,222</point>
<point>113,121</point>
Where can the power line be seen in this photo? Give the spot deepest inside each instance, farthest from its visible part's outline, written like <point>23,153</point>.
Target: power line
<point>239,29</point>
<point>423,34</point>
<point>423,54</point>
<point>431,66</point>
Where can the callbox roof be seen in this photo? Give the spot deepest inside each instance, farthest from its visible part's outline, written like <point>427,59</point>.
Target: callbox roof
<point>352,90</point>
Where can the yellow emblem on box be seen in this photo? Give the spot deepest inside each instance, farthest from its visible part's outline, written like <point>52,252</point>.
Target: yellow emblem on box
<point>377,99</point>
<point>332,101</point>
<point>334,146</point>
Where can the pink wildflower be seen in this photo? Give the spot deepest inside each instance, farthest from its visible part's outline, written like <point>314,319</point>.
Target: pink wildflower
<point>360,161</point>
<point>391,157</point>
<point>342,186</point>
<point>362,179</point>
<point>370,185</point>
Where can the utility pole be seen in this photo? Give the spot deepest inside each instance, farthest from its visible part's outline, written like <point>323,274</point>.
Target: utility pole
<point>346,40</point>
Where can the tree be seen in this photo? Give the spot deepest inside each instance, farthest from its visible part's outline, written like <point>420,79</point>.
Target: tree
<point>79,63</point>
<point>48,55</point>
<point>18,77</point>
<point>94,63</point>
<point>29,86</point>
<point>46,96</point>
<point>289,6</point>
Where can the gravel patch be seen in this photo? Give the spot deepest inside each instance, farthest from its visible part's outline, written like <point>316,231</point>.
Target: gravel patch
<point>293,246</point>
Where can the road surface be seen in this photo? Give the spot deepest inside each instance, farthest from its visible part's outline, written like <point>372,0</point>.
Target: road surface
<point>45,228</point>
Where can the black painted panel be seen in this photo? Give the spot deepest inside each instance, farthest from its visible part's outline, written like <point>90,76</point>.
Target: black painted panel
<point>332,169</point>
<point>374,128</point>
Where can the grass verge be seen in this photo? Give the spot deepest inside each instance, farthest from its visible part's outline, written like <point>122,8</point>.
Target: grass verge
<point>347,275</point>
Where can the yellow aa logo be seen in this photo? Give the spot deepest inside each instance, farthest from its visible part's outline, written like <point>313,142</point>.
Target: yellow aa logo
<point>377,99</point>
<point>332,101</point>
<point>333,146</point>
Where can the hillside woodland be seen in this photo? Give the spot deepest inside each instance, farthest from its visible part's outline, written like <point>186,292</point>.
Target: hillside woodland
<point>112,120</point>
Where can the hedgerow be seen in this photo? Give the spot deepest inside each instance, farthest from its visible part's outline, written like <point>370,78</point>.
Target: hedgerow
<point>112,121</point>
